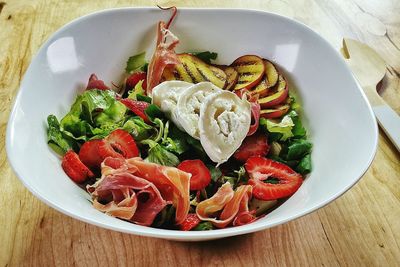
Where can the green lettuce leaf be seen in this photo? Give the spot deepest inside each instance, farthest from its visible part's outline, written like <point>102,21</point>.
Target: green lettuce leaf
<point>136,63</point>
<point>173,139</point>
<point>153,112</point>
<point>297,149</point>
<point>298,130</point>
<point>55,138</point>
<point>114,114</point>
<point>138,128</point>
<point>137,90</point>
<point>158,154</point>
<point>284,127</point>
<point>92,109</point>
<point>305,165</point>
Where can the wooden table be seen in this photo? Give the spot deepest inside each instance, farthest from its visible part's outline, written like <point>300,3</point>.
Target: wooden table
<point>362,228</point>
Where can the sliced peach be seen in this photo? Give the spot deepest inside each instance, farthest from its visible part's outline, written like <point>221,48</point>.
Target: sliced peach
<point>269,80</point>
<point>271,73</point>
<point>275,112</point>
<point>261,89</point>
<point>251,70</point>
<point>194,70</point>
<point>277,95</point>
<point>232,77</point>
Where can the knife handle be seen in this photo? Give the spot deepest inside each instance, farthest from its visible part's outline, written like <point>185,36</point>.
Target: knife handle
<point>387,118</point>
<point>389,122</point>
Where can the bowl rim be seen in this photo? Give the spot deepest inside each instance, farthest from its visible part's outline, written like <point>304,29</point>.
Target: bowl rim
<point>176,234</point>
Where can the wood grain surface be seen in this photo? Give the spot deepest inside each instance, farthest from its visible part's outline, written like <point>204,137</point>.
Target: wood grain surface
<point>362,228</point>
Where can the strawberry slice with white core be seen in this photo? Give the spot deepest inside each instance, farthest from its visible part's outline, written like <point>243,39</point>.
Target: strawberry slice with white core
<point>270,179</point>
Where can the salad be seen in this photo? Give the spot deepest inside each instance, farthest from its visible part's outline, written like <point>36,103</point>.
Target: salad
<point>184,143</point>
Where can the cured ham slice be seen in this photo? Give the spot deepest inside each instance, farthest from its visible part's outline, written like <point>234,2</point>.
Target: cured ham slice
<point>129,197</point>
<point>173,184</point>
<point>234,206</point>
<point>207,209</point>
<point>164,54</point>
<point>244,216</point>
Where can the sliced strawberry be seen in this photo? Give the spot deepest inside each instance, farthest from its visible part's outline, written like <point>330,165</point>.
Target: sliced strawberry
<point>201,176</point>
<point>118,144</point>
<point>89,153</point>
<point>137,107</point>
<point>286,181</point>
<point>95,83</point>
<point>190,222</point>
<point>253,146</point>
<point>134,78</point>
<point>74,168</point>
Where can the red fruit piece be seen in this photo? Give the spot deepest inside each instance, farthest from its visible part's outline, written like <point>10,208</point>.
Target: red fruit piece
<point>201,176</point>
<point>89,153</point>
<point>95,83</point>
<point>260,169</point>
<point>190,222</point>
<point>134,78</point>
<point>253,146</point>
<point>137,107</point>
<point>118,144</point>
<point>74,168</point>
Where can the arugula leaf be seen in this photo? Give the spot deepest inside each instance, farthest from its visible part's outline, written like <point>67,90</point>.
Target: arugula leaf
<point>206,56</point>
<point>55,138</point>
<point>158,154</point>
<point>305,165</point>
<point>203,226</point>
<point>136,62</point>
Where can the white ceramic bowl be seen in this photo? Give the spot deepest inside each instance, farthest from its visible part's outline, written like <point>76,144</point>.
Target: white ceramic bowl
<point>340,121</point>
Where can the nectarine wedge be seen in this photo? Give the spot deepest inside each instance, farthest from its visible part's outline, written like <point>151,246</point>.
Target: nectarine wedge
<point>275,112</point>
<point>194,70</point>
<point>251,70</point>
<point>277,95</point>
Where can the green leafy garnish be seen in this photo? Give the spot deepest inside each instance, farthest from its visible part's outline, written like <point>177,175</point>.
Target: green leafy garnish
<point>136,63</point>
<point>153,112</point>
<point>158,154</point>
<point>55,138</point>
<point>304,165</point>
<point>206,56</point>
<point>137,90</point>
<point>215,172</point>
<point>203,226</point>
<point>283,127</point>
<point>173,139</point>
<point>297,149</point>
<point>138,128</point>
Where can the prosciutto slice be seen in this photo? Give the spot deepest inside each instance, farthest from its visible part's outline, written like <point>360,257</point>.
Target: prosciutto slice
<point>207,209</point>
<point>233,204</point>
<point>173,184</point>
<point>129,197</point>
<point>164,54</point>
